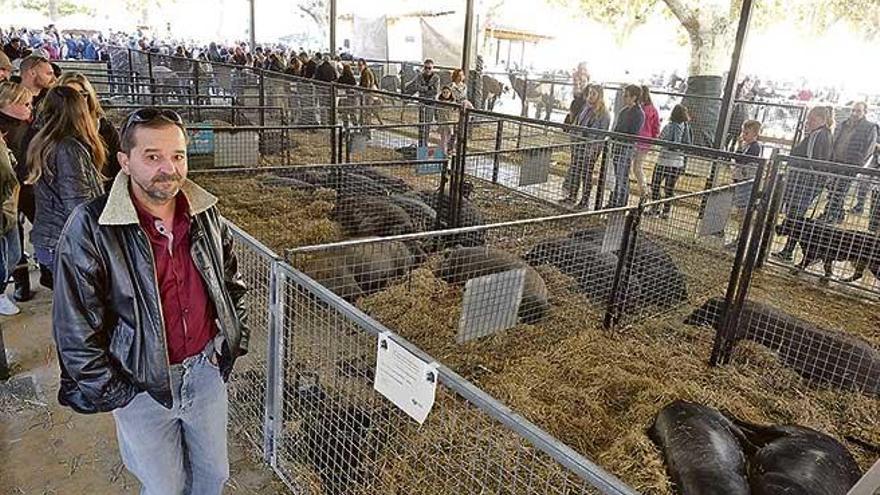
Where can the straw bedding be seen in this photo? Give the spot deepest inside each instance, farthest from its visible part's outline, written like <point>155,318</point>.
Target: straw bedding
<point>595,390</point>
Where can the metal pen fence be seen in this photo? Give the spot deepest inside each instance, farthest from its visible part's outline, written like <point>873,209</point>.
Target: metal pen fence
<point>572,167</point>
<point>292,206</point>
<point>823,339</point>
<point>222,146</point>
<point>782,122</point>
<point>826,223</point>
<point>216,114</point>
<point>123,96</point>
<point>482,298</point>
<point>304,395</point>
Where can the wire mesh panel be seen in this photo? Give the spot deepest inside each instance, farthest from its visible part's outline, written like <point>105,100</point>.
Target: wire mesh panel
<point>425,141</point>
<point>247,385</point>
<point>340,436</point>
<point>294,206</point>
<point>585,169</point>
<point>683,252</point>
<point>254,146</point>
<point>191,114</point>
<point>828,222</point>
<point>780,124</point>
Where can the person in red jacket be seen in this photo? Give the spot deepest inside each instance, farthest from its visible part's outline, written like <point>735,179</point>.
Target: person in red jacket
<point>650,129</point>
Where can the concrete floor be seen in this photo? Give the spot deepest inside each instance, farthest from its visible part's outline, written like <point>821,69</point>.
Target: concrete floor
<point>48,449</point>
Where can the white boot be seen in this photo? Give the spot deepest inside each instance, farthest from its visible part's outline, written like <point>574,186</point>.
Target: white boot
<point>7,307</point>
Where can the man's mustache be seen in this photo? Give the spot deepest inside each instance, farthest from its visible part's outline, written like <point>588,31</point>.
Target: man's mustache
<point>167,178</point>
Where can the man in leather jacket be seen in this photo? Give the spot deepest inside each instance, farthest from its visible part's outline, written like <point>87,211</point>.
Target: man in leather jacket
<point>149,312</point>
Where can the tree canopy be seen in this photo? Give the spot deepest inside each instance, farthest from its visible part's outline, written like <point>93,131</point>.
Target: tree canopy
<point>711,24</point>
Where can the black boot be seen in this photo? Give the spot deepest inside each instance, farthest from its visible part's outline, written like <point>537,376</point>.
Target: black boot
<point>22,279</point>
<point>46,279</point>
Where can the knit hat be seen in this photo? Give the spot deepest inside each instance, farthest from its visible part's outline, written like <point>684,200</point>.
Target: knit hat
<point>4,61</point>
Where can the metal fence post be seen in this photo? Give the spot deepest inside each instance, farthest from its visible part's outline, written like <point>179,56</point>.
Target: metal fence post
<point>519,134</point>
<point>273,419</point>
<point>776,189</point>
<point>150,74</point>
<point>724,335</point>
<point>346,141</point>
<point>456,189</point>
<point>339,144</point>
<point>496,162</point>
<point>196,69</point>
<point>4,365</point>
<point>273,407</point>
<point>600,184</point>
<point>621,274</point>
<point>334,105</point>
<point>333,143</point>
<point>262,98</point>
<point>132,78</point>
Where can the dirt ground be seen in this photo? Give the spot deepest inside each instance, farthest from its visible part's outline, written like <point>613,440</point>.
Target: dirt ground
<point>50,450</point>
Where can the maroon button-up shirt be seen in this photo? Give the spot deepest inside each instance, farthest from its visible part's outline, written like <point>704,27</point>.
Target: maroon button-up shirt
<point>187,309</point>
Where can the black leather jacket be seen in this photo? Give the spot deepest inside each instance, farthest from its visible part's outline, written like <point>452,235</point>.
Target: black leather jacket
<point>70,178</point>
<point>107,316</point>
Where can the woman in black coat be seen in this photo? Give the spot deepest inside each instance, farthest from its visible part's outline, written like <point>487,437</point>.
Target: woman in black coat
<point>106,130</point>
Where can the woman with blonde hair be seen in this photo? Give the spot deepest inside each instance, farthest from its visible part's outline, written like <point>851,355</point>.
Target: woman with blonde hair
<point>584,156</point>
<point>106,130</point>
<point>16,113</point>
<point>65,161</point>
<point>10,244</point>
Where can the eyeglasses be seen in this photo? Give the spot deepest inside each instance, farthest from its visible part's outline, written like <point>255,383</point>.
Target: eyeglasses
<point>147,115</point>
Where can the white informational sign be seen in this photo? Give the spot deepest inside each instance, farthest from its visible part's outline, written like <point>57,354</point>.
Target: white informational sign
<point>614,232</point>
<point>610,177</point>
<point>406,380</point>
<point>491,304</point>
<point>870,482</point>
<point>716,213</point>
<point>358,142</point>
<point>535,167</point>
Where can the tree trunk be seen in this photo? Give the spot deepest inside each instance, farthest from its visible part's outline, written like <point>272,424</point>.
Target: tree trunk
<point>53,10</point>
<point>709,50</point>
<point>710,47</point>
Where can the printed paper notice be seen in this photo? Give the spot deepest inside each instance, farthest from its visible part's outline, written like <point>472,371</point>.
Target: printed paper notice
<point>407,381</point>
<point>717,213</point>
<point>614,232</point>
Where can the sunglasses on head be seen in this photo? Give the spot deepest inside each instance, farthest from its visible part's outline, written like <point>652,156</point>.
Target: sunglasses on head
<point>147,115</point>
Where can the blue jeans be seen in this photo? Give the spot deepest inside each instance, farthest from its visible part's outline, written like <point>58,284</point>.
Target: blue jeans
<point>181,450</point>
<point>623,157</point>
<point>45,257</point>
<point>10,253</point>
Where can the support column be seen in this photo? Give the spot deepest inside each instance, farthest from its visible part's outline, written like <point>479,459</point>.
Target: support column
<point>467,45</point>
<point>742,32</point>
<point>333,27</point>
<point>253,25</point>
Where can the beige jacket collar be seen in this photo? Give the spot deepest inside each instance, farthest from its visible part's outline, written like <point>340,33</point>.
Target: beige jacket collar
<point>119,209</point>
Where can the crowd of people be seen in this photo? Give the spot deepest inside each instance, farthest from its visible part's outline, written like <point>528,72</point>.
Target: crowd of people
<point>854,142</point>
<point>62,151</point>
<point>53,44</point>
